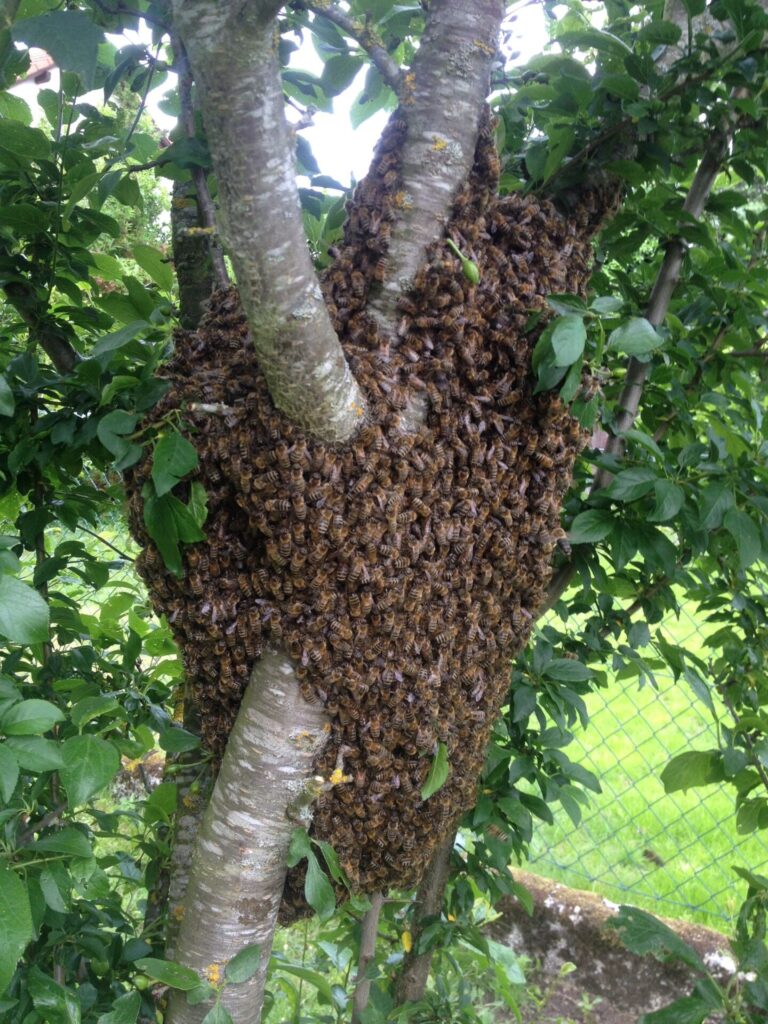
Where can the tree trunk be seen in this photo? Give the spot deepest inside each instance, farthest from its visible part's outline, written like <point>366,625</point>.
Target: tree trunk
<point>240,861</point>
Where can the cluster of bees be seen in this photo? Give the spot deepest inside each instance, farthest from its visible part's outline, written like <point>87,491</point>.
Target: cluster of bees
<point>402,571</point>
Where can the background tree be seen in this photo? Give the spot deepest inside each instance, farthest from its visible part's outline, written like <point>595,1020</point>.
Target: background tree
<point>80,376</point>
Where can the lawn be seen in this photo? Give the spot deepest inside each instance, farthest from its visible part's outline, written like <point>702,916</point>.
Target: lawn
<point>669,854</point>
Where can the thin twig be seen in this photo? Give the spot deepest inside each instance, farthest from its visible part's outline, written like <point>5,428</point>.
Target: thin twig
<point>369,932</point>
<point>46,820</point>
<point>108,543</point>
<point>205,208</point>
<point>658,304</point>
<point>161,161</point>
<point>366,38</point>
<point>414,973</point>
<point>748,353</point>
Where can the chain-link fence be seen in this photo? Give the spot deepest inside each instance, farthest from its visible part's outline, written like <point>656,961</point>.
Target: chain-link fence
<point>671,854</point>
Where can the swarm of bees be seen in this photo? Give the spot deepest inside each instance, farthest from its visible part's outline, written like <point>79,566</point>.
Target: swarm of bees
<point>403,571</point>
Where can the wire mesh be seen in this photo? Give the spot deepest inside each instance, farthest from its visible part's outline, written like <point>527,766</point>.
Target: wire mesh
<point>670,853</point>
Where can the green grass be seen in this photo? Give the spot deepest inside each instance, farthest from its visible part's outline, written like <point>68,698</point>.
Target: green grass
<point>633,825</point>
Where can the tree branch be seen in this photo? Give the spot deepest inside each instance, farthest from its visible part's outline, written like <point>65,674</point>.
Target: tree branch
<point>414,973</point>
<point>240,861</point>
<point>391,73</point>
<point>47,332</point>
<point>637,372</point>
<point>205,208</point>
<point>232,54</point>
<point>442,98</point>
<point>50,818</point>
<point>368,935</point>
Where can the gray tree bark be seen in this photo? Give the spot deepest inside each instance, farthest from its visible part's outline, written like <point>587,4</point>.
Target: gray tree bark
<point>240,862</point>
<point>231,48</point>
<point>442,97</point>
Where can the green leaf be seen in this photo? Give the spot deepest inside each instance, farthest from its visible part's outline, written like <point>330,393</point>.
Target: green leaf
<point>24,218</point>
<point>28,143</point>
<point>35,754</point>
<point>90,763</point>
<point>693,768</point>
<point>669,501</point>
<point>52,893</point>
<point>161,527</point>
<point>623,86</point>
<point>69,840</point>
<point>633,483</point>
<point>23,612</point>
<point>7,401</point>
<point>686,1010</point>
<point>15,923</point>
<point>509,959</point>
<point>569,336</point>
<point>331,859</point>
<point>567,305</point>
<point>92,707</point>
<point>438,772</point>
<point>198,995</point>
<point>606,304</point>
<point>70,37</point>
<point>9,772</point>
<point>642,933</point>
<point>751,816</point>
<point>318,891</point>
<point>300,846</point>
<point>124,1011</point>
<point>636,337</point>
<point>176,740</point>
<point>169,522</point>
<point>319,981</point>
<point>162,800</point>
<point>588,527</point>
<point>746,534</point>
<point>79,191</point>
<point>339,73</point>
<point>13,108</point>
<point>153,263</point>
<point>30,718</point>
<point>112,429</point>
<point>244,964</point>
<point>714,502</point>
<point>117,339</point>
<point>198,502</point>
<point>169,973</point>
<point>218,1014</point>
<point>55,1004</point>
<point>567,670</point>
<point>660,32</point>
<point>173,458</point>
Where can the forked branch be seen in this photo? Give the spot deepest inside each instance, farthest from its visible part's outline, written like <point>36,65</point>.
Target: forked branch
<point>362,34</point>
<point>231,49</point>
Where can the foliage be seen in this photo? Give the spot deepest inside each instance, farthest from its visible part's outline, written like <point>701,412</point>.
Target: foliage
<point>88,676</point>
